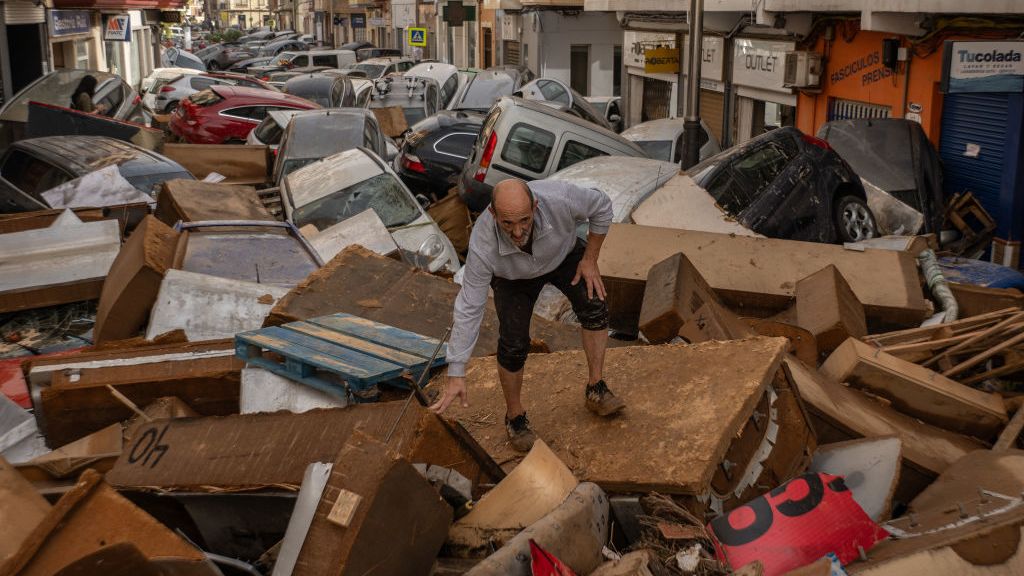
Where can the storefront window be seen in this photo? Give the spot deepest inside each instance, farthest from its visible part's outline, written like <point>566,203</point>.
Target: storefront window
<point>115,58</point>
<point>82,54</point>
<point>136,71</point>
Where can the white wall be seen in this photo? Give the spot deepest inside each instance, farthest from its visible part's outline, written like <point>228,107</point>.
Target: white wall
<point>557,33</point>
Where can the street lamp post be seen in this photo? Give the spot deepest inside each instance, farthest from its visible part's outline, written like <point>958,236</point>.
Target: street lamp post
<point>691,127</point>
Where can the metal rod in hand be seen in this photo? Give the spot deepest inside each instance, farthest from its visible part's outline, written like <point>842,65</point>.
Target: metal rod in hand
<point>417,386</point>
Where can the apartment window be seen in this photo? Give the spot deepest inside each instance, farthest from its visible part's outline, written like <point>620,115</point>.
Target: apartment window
<point>617,71</point>
<point>82,54</point>
<point>579,68</point>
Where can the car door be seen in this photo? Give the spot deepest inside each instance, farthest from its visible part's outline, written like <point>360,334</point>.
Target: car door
<point>765,171</point>
<point>788,206</point>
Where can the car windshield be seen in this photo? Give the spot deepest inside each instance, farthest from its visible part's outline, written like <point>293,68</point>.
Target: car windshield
<point>268,50</point>
<point>318,137</point>
<point>55,88</point>
<point>414,115</point>
<point>269,131</point>
<point>149,183</point>
<point>383,193</point>
<point>600,106</point>
<point>484,91</point>
<point>205,98</point>
<point>371,70</point>
<point>657,149</point>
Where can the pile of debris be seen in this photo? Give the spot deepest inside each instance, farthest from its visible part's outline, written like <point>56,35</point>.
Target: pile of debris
<point>248,401</point>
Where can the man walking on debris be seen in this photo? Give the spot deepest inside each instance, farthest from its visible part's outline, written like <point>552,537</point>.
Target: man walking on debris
<point>525,239</point>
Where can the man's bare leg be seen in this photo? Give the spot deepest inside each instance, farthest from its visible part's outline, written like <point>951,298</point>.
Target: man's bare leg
<point>594,344</point>
<point>512,386</point>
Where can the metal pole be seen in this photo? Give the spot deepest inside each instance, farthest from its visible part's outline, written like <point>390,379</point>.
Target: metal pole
<point>692,126</point>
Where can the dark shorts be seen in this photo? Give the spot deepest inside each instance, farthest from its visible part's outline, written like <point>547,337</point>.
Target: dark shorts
<point>514,301</point>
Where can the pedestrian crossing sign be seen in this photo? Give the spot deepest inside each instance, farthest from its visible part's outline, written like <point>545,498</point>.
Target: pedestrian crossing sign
<point>417,36</point>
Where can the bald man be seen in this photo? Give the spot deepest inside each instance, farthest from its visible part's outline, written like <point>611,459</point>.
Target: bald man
<point>525,239</point>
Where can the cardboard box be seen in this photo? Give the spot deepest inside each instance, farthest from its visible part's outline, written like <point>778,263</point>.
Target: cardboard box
<point>195,201</point>
<point>21,508</point>
<point>916,390</point>
<point>827,307</point>
<point>377,515</point>
<point>756,276</point>
<point>134,280</point>
<point>250,164</point>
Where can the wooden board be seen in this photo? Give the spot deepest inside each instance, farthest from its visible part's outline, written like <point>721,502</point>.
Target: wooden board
<point>929,449</point>
<point>758,276</point>
<point>684,406</point>
<point>916,390</point>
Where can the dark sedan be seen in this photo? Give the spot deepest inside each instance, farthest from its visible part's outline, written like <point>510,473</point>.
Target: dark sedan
<point>787,184</point>
<point>435,150</point>
<point>327,91</point>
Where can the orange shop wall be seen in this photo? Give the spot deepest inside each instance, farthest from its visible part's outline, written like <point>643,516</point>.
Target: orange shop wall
<point>854,71</point>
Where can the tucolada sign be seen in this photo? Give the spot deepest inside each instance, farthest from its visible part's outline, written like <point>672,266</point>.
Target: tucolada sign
<point>983,66</point>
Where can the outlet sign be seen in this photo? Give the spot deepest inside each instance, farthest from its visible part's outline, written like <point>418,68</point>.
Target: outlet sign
<point>983,66</point>
<point>760,64</point>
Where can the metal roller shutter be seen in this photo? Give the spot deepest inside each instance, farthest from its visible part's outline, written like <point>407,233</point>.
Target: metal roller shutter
<point>23,12</point>
<point>712,111</point>
<point>657,99</point>
<point>839,109</point>
<point>970,120</point>
<point>510,48</point>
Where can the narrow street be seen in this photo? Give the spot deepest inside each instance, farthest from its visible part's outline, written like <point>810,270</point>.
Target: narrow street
<point>498,287</point>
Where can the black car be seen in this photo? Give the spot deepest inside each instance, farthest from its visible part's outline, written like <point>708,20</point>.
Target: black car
<point>356,46</point>
<point>435,150</point>
<point>787,184</point>
<point>327,91</point>
<point>30,167</point>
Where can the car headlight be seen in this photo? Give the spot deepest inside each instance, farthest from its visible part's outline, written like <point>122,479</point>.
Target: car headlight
<point>431,254</point>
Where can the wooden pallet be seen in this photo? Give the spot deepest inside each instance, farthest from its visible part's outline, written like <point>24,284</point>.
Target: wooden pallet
<point>339,354</point>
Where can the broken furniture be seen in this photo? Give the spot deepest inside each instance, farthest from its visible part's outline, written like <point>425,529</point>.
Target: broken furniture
<point>340,354</point>
<point>756,276</point>
<point>827,307</point>
<point>196,201</point>
<point>711,420</point>
<point>916,390</point>
<point>65,262</point>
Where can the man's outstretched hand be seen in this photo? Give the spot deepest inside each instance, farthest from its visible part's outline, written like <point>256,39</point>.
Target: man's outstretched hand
<point>454,388</point>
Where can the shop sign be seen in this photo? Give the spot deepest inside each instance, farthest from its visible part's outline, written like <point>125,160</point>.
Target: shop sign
<point>661,61</point>
<point>375,22</point>
<point>760,64</point>
<point>712,59</point>
<point>359,20</point>
<point>117,28</point>
<point>983,66</point>
<point>868,68</point>
<point>68,22</point>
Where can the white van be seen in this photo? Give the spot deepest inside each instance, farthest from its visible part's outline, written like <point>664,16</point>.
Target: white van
<point>329,58</point>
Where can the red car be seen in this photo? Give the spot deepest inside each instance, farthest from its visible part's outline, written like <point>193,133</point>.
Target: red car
<point>226,114</point>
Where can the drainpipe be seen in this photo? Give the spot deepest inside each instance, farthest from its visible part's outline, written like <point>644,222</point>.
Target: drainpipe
<point>692,127</point>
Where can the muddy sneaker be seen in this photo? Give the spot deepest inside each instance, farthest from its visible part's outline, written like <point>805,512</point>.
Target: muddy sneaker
<point>601,401</point>
<point>519,434</point>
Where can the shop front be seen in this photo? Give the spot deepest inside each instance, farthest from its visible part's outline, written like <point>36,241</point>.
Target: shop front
<point>128,45</point>
<point>982,131</point>
<point>74,38</point>
<point>763,101</point>
<point>23,54</point>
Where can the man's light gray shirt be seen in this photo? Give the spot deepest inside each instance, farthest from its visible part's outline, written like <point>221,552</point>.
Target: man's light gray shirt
<point>561,207</point>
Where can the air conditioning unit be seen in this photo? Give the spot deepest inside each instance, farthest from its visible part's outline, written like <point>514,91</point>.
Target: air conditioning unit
<point>803,69</point>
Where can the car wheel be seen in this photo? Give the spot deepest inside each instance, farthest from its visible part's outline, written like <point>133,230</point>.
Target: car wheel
<point>171,107</point>
<point>854,220</point>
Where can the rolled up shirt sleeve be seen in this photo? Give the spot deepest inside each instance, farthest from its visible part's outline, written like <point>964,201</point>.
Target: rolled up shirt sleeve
<point>591,205</point>
<point>469,312</point>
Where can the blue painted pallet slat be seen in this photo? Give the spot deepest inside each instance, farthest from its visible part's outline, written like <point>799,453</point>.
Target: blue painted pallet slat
<point>383,334</point>
<point>355,366</point>
<point>360,352</point>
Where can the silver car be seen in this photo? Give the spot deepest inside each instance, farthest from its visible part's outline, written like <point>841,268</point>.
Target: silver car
<point>663,139</point>
<point>339,187</point>
<point>167,91</point>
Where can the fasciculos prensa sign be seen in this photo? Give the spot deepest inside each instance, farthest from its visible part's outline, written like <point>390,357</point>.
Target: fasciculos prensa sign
<point>983,66</point>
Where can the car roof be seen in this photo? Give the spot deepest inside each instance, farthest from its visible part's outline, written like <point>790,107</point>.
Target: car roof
<point>543,107</point>
<point>627,181</point>
<point>84,154</point>
<point>228,92</point>
<point>435,70</point>
<point>601,99</point>
<point>330,51</point>
<point>173,72</point>
<point>661,129</point>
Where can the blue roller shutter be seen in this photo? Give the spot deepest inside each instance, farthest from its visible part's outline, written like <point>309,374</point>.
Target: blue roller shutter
<point>975,119</point>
